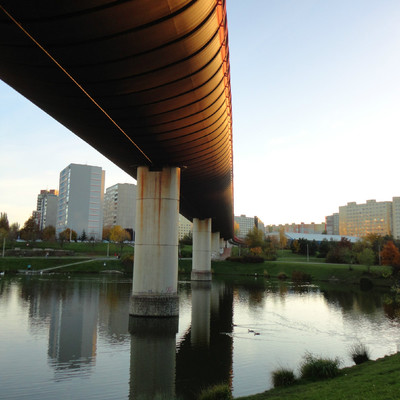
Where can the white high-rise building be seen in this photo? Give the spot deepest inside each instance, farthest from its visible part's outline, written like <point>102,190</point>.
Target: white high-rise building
<point>46,208</point>
<point>363,219</point>
<point>80,203</point>
<point>248,223</point>
<point>120,206</point>
<point>185,227</point>
<point>396,217</point>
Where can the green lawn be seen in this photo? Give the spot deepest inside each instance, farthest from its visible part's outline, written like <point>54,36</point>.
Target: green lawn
<point>374,380</point>
<point>80,248</point>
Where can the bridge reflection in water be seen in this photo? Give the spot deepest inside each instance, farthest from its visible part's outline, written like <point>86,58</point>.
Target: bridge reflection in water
<point>204,356</point>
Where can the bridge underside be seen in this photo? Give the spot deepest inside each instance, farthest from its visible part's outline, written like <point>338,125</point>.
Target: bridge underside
<point>145,82</point>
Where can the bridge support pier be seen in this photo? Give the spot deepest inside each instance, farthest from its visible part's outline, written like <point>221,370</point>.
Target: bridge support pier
<point>201,253</point>
<point>215,244</point>
<point>155,275</point>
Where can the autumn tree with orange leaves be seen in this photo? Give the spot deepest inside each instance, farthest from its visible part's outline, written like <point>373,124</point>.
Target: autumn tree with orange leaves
<point>390,255</point>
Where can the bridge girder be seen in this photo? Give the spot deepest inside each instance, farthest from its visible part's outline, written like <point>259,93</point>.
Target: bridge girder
<point>145,82</point>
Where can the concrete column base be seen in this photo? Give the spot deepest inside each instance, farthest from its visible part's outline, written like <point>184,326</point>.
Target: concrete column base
<point>157,305</point>
<point>201,275</point>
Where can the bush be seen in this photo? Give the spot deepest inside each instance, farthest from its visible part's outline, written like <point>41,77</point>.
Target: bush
<point>216,392</point>
<point>283,377</point>
<point>359,353</point>
<point>315,369</point>
<point>248,259</point>
<point>299,276</point>
<point>266,274</point>
<point>235,258</point>
<point>185,253</point>
<point>127,263</point>
<point>366,284</point>
<point>252,259</point>
<point>282,276</point>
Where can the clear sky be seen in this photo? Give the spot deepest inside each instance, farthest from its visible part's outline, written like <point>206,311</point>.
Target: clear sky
<point>316,114</point>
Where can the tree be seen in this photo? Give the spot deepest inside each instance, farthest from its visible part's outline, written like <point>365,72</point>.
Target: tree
<point>30,231</point>
<point>49,234</point>
<point>282,237</point>
<point>119,235</point>
<point>187,239</point>
<point>4,222</point>
<point>236,228</point>
<point>324,248</point>
<point>390,255</point>
<point>366,257</point>
<point>255,238</point>
<point>14,230</point>
<point>83,236</point>
<point>67,234</point>
<point>106,232</point>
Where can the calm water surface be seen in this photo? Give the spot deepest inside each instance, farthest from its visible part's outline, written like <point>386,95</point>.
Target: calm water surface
<point>71,337</point>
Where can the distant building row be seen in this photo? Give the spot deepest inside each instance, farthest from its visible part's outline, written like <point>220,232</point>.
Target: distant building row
<point>81,204</point>
<point>352,220</point>
<point>382,218</point>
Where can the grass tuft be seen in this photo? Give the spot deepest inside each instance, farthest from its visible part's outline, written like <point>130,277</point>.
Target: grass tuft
<point>216,392</point>
<point>283,377</point>
<point>317,368</point>
<point>359,353</point>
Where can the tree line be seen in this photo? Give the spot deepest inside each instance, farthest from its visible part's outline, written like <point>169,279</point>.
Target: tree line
<point>31,232</point>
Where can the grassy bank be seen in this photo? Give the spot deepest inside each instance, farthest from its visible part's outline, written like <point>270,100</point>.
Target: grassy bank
<point>374,380</point>
<point>318,271</point>
<point>79,248</point>
<point>70,264</point>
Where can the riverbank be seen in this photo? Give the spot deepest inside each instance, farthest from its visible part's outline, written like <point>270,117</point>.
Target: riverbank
<point>373,380</point>
<point>87,265</point>
<point>317,271</point>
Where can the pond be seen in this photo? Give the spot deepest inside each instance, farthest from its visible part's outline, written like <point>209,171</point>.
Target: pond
<point>70,337</point>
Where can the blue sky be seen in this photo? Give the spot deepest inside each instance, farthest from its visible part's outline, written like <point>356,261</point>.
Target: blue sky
<point>316,114</point>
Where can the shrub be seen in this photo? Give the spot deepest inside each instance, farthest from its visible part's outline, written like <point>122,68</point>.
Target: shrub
<point>366,284</point>
<point>127,263</point>
<point>266,274</point>
<point>314,368</point>
<point>359,353</point>
<point>216,392</point>
<point>248,259</point>
<point>234,258</point>
<point>283,377</point>
<point>186,253</point>
<point>300,276</point>
<point>252,259</point>
<point>282,276</point>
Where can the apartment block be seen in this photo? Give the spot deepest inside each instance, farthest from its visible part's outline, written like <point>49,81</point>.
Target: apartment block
<point>297,228</point>
<point>80,204</point>
<point>248,223</point>
<point>396,217</point>
<point>362,219</point>
<point>185,227</point>
<point>120,206</point>
<point>46,208</point>
<point>332,224</point>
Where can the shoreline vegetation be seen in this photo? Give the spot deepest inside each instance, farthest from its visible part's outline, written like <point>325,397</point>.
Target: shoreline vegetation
<point>287,266</point>
<point>372,380</point>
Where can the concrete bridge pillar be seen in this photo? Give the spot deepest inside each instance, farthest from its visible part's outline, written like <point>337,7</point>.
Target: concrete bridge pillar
<point>155,275</point>
<point>215,244</point>
<point>201,253</point>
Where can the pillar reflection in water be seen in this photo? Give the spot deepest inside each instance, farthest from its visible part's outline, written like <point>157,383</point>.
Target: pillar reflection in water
<point>205,353</point>
<point>152,369</point>
<point>201,314</point>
